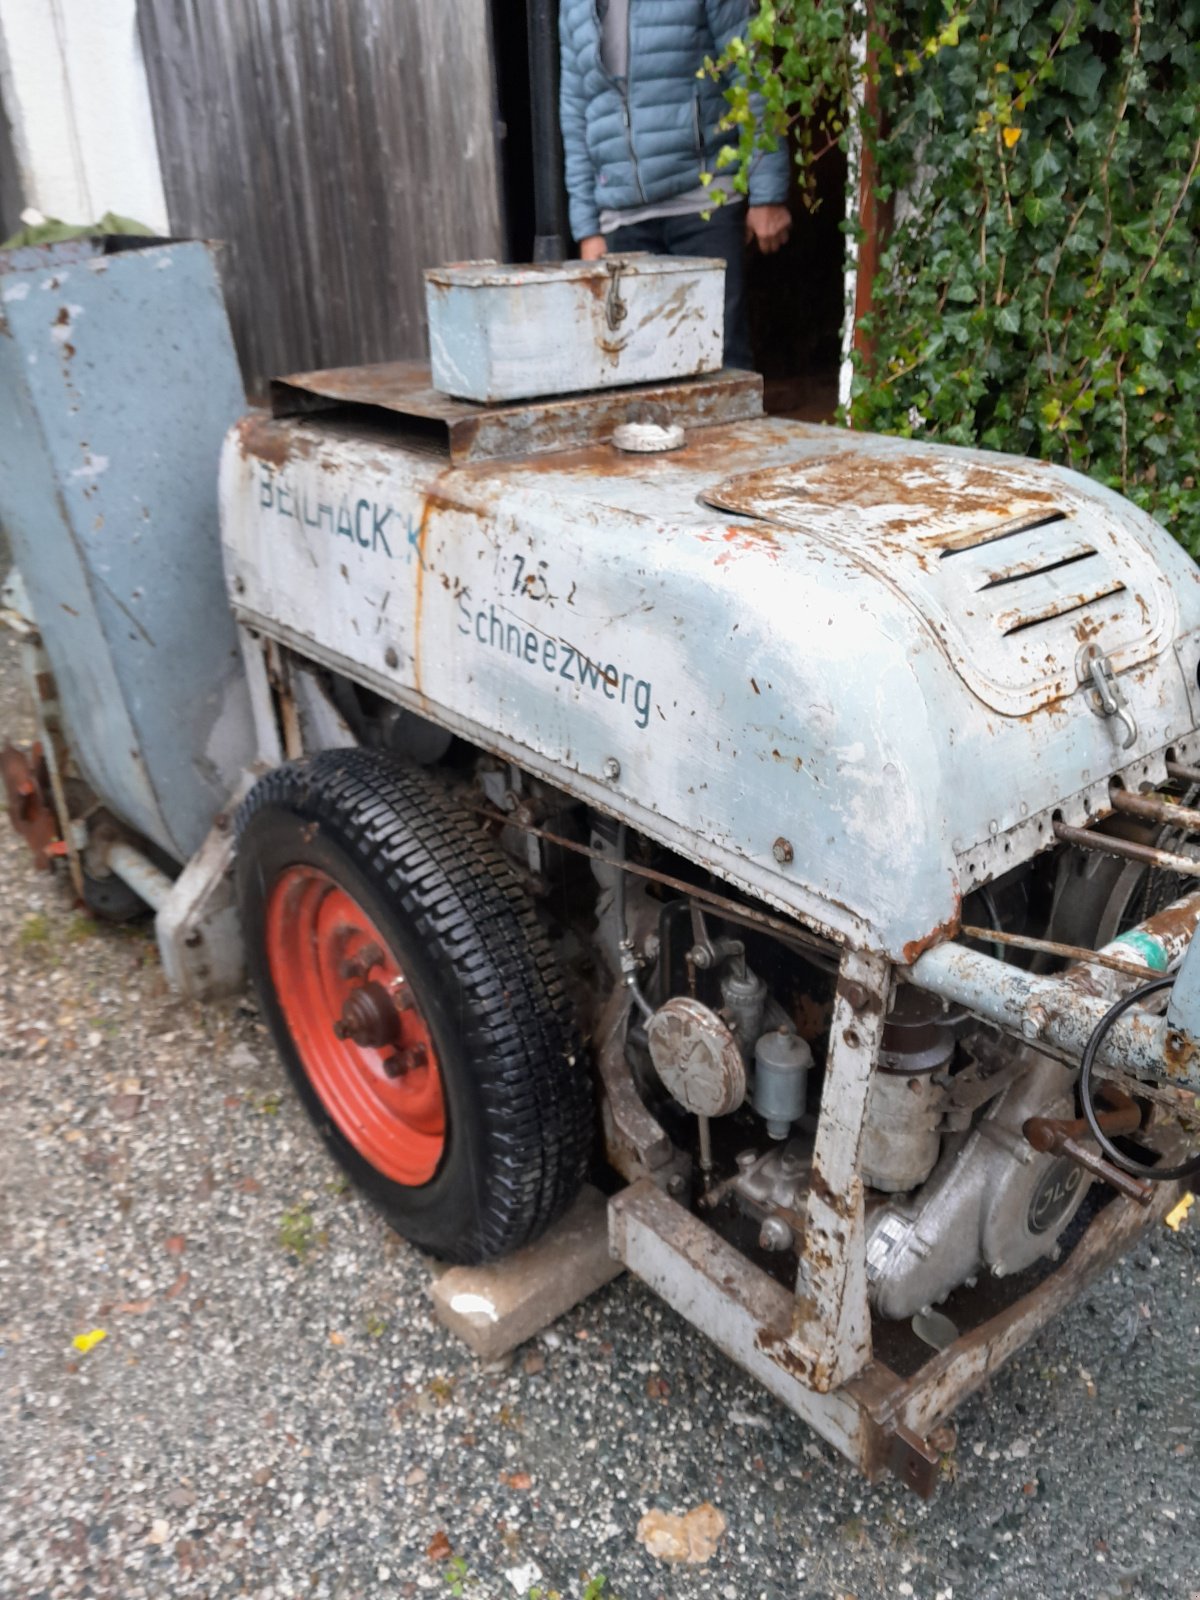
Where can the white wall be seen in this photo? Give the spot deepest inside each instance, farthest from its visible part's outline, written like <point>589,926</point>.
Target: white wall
<point>74,87</point>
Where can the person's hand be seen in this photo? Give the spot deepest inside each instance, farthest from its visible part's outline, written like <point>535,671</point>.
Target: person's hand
<point>769,227</point>
<point>592,248</point>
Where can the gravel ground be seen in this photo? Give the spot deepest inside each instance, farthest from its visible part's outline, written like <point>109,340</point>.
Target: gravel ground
<point>273,1411</point>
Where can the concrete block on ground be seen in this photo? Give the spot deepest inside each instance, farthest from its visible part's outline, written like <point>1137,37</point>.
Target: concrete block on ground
<point>495,1308</point>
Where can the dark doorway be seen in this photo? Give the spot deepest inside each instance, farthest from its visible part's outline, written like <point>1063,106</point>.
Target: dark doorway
<point>11,200</point>
<point>510,34</point>
<point>797,302</point>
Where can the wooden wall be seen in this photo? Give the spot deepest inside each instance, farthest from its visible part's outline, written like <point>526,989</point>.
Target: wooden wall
<point>338,147</point>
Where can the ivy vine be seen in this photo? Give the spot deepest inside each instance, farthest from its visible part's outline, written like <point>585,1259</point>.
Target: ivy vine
<point>1039,290</point>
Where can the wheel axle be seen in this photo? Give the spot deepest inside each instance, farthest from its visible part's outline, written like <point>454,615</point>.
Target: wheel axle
<point>369,1018</point>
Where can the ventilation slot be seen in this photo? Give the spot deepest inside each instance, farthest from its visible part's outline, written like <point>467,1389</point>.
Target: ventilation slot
<point>1036,566</point>
<point>976,538</point>
<point>1017,620</point>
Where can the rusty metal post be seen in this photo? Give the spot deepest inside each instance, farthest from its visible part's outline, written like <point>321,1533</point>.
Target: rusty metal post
<point>1152,808</point>
<point>831,1329</point>
<point>1111,844</point>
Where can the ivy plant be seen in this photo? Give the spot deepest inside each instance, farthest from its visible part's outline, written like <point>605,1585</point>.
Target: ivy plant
<point>1039,288</point>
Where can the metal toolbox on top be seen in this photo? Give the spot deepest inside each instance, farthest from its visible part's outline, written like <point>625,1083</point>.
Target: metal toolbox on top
<point>501,332</point>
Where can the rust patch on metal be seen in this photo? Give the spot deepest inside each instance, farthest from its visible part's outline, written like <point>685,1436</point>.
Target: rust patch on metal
<point>775,1342</point>
<point>402,391</point>
<point>739,541</point>
<point>30,811</point>
<point>264,440</point>
<point>1180,1055</point>
<point>944,930</point>
<point>906,480</point>
<point>433,503</point>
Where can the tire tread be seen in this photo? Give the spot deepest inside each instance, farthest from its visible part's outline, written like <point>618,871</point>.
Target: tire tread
<point>408,835</point>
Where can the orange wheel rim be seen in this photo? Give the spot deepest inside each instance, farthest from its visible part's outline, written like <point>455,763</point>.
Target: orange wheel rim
<point>362,1040</point>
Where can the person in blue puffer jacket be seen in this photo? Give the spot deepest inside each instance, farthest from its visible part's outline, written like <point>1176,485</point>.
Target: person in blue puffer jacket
<point>640,124</point>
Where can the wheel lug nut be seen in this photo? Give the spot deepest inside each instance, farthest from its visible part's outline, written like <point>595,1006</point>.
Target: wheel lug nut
<point>360,965</point>
<point>409,1059</point>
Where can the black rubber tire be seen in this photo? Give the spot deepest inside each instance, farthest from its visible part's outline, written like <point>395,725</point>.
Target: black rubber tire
<point>519,1106</point>
<point>112,899</point>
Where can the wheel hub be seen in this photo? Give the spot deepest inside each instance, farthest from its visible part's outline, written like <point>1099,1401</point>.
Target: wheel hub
<point>369,1018</point>
<point>358,1029</point>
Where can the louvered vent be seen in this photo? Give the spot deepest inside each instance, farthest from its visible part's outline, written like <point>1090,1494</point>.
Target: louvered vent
<point>1013,565</point>
<point>1033,574</point>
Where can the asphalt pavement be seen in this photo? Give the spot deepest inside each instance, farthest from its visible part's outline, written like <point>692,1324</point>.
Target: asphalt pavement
<point>273,1411</point>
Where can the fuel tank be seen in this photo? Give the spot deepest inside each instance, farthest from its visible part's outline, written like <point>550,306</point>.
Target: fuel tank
<point>852,675</point>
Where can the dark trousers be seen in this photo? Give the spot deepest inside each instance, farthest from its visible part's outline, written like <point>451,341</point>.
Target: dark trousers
<point>723,235</point>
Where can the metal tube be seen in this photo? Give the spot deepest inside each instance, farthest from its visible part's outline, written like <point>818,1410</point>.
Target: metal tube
<point>1053,1011</point>
<point>1182,774</point>
<point>1135,1189</point>
<point>1108,844</point>
<point>140,873</point>
<point>1063,1011</point>
<point>1153,809</point>
<point>1159,943</point>
<point>1050,947</point>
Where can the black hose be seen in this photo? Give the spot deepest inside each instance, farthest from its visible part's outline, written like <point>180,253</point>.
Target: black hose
<point>549,196</point>
<point>1139,1169</point>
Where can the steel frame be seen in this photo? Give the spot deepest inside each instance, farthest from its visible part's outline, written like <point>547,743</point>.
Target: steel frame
<point>813,1349</point>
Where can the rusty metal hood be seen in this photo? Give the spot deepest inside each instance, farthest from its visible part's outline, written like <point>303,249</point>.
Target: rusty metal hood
<point>1016,567</point>
<point>850,690</point>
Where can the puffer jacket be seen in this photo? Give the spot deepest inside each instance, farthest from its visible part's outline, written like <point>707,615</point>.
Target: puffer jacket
<point>648,141</point>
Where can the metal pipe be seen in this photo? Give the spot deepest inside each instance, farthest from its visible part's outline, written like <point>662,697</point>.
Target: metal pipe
<point>1050,947</point>
<point>1038,1009</point>
<point>140,873</point>
<point>1063,1012</point>
<point>1153,809</point>
<point>1182,774</point>
<point>1135,1189</point>
<point>1108,844</point>
<point>549,199</point>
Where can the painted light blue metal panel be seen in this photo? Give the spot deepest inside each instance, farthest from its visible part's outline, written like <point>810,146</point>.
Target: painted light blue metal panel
<point>118,380</point>
<point>779,695</point>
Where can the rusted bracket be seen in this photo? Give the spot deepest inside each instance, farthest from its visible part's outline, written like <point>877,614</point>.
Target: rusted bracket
<point>30,810</point>
<point>1060,1136</point>
<point>916,1462</point>
<point>634,1142</point>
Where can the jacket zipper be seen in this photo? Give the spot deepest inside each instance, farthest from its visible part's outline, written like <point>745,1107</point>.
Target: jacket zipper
<point>637,176</point>
<point>696,122</point>
<point>624,93</point>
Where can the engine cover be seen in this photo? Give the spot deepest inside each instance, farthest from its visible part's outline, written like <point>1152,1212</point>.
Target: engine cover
<point>801,657</point>
<point>994,1203</point>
